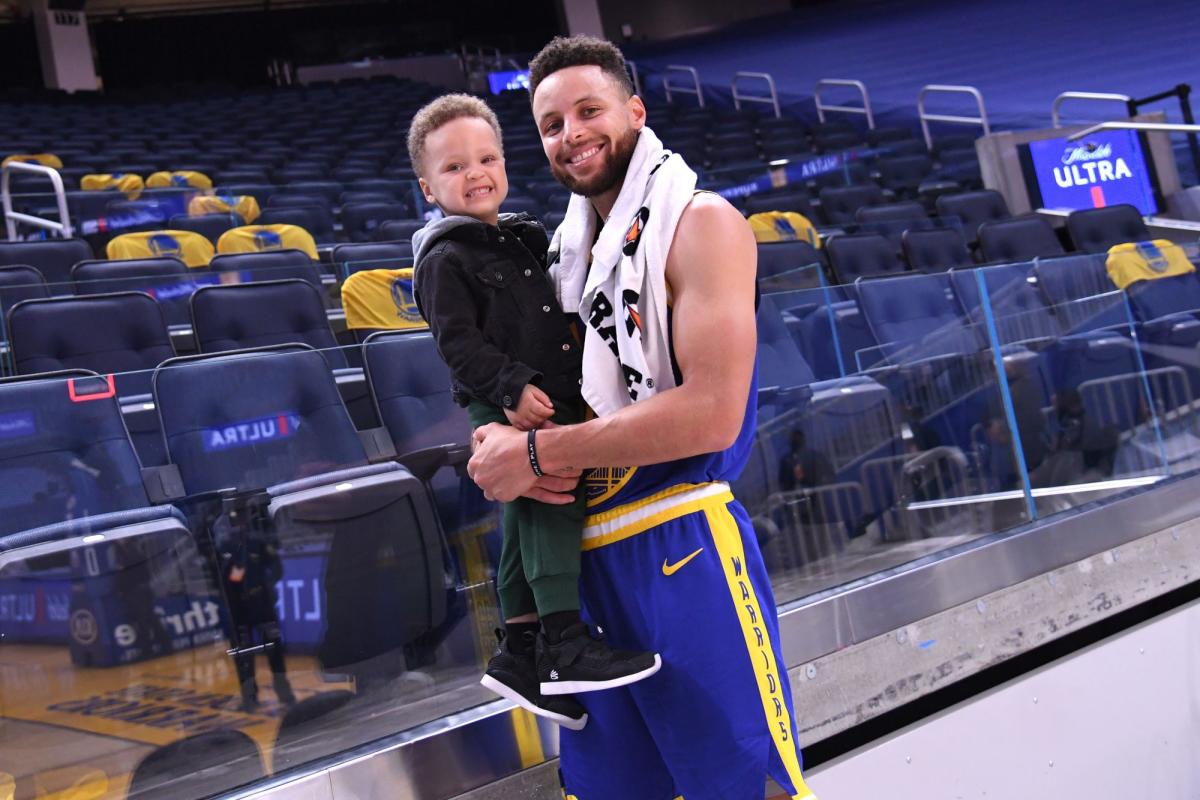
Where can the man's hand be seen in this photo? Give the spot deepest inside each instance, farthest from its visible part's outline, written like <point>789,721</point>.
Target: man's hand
<point>500,466</point>
<point>532,409</point>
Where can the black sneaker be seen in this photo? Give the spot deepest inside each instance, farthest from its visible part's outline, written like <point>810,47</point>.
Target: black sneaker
<point>513,676</point>
<point>579,663</point>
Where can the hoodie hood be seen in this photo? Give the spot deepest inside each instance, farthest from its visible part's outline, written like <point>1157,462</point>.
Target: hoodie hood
<point>424,239</point>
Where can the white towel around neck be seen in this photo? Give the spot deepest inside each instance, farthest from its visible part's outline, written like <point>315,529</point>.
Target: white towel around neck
<point>618,284</point>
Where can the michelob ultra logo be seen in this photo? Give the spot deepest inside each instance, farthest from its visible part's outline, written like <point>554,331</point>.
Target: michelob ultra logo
<point>251,431</point>
<point>1090,163</point>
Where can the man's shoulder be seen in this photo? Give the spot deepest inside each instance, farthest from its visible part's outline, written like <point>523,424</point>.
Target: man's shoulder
<point>708,224</point>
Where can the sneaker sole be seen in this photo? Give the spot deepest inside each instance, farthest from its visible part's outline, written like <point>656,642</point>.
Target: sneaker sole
<point>516,697</point>
<point>580,687</point>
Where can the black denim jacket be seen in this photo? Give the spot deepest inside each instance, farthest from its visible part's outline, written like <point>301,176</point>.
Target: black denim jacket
<point>492,309</point>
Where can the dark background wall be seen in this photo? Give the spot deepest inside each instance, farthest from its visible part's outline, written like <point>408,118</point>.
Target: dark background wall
<point>658,20</point>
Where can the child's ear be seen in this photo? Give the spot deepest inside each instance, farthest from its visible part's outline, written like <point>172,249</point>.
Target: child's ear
<point>425,191</point>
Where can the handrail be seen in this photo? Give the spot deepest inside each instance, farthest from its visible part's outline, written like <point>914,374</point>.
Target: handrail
<point>11,218</point>
<point>637,78</point>
<point>1055,120</point>
<point>1169,127</point>
<point>695,88</point>
<point>772,99</point>
<point>982,119</point>
<point>864,109</point>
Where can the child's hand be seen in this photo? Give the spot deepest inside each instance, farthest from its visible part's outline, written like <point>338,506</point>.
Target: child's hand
<point>532,409</point>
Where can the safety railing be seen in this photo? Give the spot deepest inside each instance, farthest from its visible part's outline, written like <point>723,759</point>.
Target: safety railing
<point>864,109</point>
<point>636,76</point>
<point>1165,127</point>
<point>11,218</point>
<point>926,118</point>
<point>771,99</point>
<point>1106,97</point>
<point>694,89</point>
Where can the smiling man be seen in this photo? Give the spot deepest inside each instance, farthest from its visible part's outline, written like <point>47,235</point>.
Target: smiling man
<point>662,277</point>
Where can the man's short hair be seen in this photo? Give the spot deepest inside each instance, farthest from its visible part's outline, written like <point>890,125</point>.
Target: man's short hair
<point>446,108</point>
<point>579,51</point>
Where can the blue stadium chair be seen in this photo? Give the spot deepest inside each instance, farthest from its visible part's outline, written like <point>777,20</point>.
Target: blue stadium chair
<point>166,279</point>
<point>521,205</point>
<point>250,315</point>
<point>269,265</point>
<point>863,255</point>
<point>780,201</point>
<point>239,175</point>
<point>121,333</point>
<point>366,197</point>
<point>839,204</point>
<point>778,257</point>
<point>1082,295</point>
<point>1094,230</point>
<point>1018,308</point>
<point>890,212</point>
<point>905,174</point>
<point>395,230</point>
<point>973,209</point>
<point>361,221</point>
<point>880,136</point>
<point>372,255</point>
<point>836,141</point>
<point>853,173</point>
<point>935,249</point>
<point>20,282</point>
<point>1018,239</point>
<point>402,190</point>
<point>330,190</point>
<point>210,226</point>
<point>552,220</point>
<point>51,257</point>
<point>298,200</point>
<point>316,219</point>
<point>1162,297</point>
<point>953,142</point>
<point>261,192</point>
<point>915,317</point>
<point>291,441</point>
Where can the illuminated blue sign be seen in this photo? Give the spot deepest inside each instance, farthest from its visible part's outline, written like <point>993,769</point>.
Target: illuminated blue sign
<point>1103,169</point>
<point>507,81</point>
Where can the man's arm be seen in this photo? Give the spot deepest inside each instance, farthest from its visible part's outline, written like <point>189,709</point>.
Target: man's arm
<point>711,271</point>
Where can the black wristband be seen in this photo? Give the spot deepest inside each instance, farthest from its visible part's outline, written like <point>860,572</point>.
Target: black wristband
<point>533,459</point>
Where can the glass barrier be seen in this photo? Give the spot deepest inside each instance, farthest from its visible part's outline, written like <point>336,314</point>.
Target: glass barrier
<point>275,556</point>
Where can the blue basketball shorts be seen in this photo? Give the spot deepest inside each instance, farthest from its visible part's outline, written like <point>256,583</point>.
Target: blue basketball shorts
<point>680,573</point>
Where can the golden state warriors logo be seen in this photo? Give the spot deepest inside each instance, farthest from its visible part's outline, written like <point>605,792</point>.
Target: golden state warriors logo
<point>406,305</point>
<point>267,240</point>
<point>603,483</point>
<point>161,244</point>
<point>633,236</point>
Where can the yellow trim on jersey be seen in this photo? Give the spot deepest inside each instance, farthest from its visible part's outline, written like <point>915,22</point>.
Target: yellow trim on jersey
<point>639,516</point>
<point>599,473</point>
<point>728,540</point>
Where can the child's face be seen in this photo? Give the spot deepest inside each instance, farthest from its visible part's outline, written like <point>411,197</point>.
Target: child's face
<point>464,169</point>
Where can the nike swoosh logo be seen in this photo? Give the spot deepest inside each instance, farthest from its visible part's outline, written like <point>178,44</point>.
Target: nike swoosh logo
<point>671,569</point>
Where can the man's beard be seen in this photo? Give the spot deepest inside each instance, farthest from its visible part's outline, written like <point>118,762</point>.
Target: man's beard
<point>612,174</point>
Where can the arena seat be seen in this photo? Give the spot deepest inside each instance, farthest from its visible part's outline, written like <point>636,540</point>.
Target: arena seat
<point>1082,295</point>
<point>371,255</point>
<point>123,333</point>
<point>51,257</point>
<point>330,190</point>
<point>1018,308</point>
<point>935,249</point>
<point>891,212</point>
<point>262,238</point>
<point>1094,230</point>
<point>291,441</point>
<point>915,317</point>
<point>905,174</point>
<point>269,265</point>
<point>840,203</point>
<point>261,191</point>
<point>193,249</point>
<point>68,467</point>
<point>316,219</point>
<point>973,209</point>
<point>210,226</point>
<point>521,205</point>
<point>351,197</point>
<point>780,201</point>
<point>852,173</point>
<point>862,255</point>
<point>361,221</point>
<point>403,229</point>
<point>166,279</point>
<point>240,317</point>
<point>1018,239</point>
<point>20,282</point>
<point>298,200</point>
<point>778,257</point>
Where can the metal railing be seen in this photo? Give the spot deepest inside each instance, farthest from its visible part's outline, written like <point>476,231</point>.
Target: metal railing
<point>694,89</point>
<point>864,109</point>
<point>1056,120</point>
<point>937,88</point>
<point>636,76</point>
<point>62,227</point>
<point>1166,127</point>
<point>771,99</point>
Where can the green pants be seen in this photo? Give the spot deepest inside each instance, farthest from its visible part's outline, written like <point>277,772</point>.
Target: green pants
<point>539,552</point>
